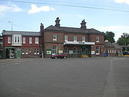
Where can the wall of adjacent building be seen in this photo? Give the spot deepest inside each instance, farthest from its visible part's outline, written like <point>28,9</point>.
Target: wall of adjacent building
<point>27,49</point>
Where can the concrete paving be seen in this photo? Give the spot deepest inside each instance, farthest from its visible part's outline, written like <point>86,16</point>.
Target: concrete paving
<point>75,77</point>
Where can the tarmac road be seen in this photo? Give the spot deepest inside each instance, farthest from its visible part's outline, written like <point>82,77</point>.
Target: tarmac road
<point>75,77</point>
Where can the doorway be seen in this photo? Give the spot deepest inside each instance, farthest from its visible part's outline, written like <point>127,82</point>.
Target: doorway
<point>10,53</point>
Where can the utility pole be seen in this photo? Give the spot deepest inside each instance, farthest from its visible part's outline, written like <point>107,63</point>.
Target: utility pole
<point>11,23</point>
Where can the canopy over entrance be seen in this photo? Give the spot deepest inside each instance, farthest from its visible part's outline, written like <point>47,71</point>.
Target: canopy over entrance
<point>78,43</point>
<point>77,50</point>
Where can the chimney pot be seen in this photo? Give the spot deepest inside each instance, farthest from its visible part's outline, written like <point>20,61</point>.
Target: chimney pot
<point>83,24</point>
<point>57,22</point>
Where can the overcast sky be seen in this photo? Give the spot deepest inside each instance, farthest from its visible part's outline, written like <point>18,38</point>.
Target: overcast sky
<point>103,15</point>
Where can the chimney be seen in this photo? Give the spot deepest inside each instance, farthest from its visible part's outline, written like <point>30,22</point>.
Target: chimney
<point>41,30</point>
<point>41,27</point>
<point>57,22</point>
<point>42,39</point>
<point>83,25</point>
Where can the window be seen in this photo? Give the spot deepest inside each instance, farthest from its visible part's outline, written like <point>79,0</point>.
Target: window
<point>16,40</point>
<point>97,50</point>
<point>24,40</point>
<point>97,39</point>
<point>54,48</point>
<point>54,37</point>
<point>30,40</point>
<point>36,40</point>
<point>9,39</point>
<point>66,38</point>
<point>36,52</point>
<point>83,38</point>
<point>75,38</point>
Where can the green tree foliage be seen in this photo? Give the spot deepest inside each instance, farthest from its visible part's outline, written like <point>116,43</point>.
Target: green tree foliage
<point>109,36</point>
<point>124,39</point>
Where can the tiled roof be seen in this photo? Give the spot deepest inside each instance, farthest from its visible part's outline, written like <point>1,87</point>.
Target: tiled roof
<point>113,45</point>
<point>72,29</point>
<point>117,46</point>
<point>25,33</point>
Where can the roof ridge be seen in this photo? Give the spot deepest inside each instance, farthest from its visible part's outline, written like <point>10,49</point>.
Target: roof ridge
<point>19,31</point>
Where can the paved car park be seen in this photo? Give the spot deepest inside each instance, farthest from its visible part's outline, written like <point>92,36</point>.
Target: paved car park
<point>71,77</point>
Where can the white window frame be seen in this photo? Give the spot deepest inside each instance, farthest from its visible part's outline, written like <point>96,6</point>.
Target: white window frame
<point>16,40</point>
<point>54,49</point>
<point>97,39</point>
<point>55,37</point>
<point>66,37</point>
<point>97,50</point>
<point>24,40</point>
<point>30,40</point>
<point>9,39</point>
<point>36,40</point>
<point>83,39</point>
<point>75,38</point>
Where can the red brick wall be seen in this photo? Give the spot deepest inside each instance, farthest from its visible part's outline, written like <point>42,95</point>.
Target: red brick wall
<point>50,46</point>
<point>6,44</point>
<point>27,42</point>
<point>48,37</point>
<point>79,36</point>
<point>30,52</point>
<point>5,41</point>
<point>100,44</point>
<point>92,38</point>
<point>59,43</point>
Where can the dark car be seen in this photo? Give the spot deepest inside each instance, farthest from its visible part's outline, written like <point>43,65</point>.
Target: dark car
<point>125,53</point>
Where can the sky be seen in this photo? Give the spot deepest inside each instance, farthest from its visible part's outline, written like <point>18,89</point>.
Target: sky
<point>103,15</point>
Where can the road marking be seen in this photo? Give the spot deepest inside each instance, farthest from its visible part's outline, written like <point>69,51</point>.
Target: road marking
<point>110,90</point>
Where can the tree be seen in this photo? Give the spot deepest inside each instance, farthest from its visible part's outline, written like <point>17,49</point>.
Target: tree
<point>124,39</point>
<point>109,36</point>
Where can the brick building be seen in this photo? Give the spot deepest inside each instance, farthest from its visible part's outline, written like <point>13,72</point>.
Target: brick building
<point>112,49</point>
<point>75,42</point>
<point>54,40</point>
<point>18,44</point>
<point>1,46</point>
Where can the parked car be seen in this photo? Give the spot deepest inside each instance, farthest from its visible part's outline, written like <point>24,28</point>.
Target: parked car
<point>59,56</point>
<point>126,54</point>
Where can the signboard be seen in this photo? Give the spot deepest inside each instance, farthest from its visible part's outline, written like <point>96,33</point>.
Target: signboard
<point>92,52</point>
<point>60,51</point>
<point>97,53</point>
